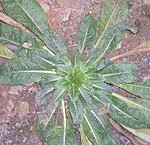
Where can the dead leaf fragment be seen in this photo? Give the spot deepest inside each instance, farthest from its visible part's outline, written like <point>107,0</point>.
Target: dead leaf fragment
<point>104,109</point>
<point>27,44</point>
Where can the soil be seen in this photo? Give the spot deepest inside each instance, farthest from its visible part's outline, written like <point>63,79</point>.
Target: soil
<point>18,110</point>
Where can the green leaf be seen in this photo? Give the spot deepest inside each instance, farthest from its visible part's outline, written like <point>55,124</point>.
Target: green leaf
<point>143,134</point>
<point>49,81</point>
<point>86,95</point>
<point>15,39</point>
<point>58,94</point>
<point>27,12</point>
<point>97,128</point>
<point>84,139</point>
<point>119,73</point>
<point>111,29</point>
<point>42,57</point>
<point>104,63</point>
<point>55,42</point>
<point>42,95</point>
<point>127,111</point>
<point>58,132</point>
<point>112,38</point>
<point>112,14</point>
<point>76,109</point>
<point>141,90</point>
<point>5,52</point>
<point>47,112</point>
<point>87,32</point>
<point>96,125</point>
<point>19,71</point>
<point>101,92</point>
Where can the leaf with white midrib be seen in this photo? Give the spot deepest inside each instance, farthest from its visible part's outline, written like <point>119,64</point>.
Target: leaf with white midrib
<point>83,45</point>
<point>58,93</point>
<point>22,70</point>
<point>132,103</point>
<point>13,42</point>
<point>115,107</point>
<point>86,33</point>
<point>55,42</point>
<point>98,120</point>
<point>103,125</point>
<point>34,71</point>
<point>103,54</point>
<point>141,90</point>
<point>111,20</point>
<point>29,13</point>
<point>130,116</point>
<point>106,27</point>
<point>31,18</point>
<point>49,62</point>
<point>115,74</point>
<point>111,31</point>
<point>15,38</point>
<point>90,126</point>
<point>118,73</point>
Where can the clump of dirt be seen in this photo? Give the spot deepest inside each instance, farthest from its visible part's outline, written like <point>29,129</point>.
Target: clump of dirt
<point>18,115</point>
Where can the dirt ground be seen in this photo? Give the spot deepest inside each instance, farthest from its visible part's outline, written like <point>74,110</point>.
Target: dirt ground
<point>18,110</point>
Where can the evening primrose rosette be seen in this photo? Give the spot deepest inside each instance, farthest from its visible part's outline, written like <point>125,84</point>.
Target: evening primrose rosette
<point>76,87</point>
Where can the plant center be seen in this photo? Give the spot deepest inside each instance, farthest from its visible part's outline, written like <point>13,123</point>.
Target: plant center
<point>75,77</point>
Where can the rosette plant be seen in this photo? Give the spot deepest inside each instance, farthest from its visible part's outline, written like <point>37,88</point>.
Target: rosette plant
<point>76,94</point>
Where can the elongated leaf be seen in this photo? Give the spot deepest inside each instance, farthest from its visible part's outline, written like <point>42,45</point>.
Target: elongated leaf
<point>96,128</point>
<point>112,38</point>
<point>104,63</point>
<point>119,73</point>
<point>76,109</point>
<point>84,139</point>
<point>58,94</point>
<point>57,132</point>
<point>86,96</point>
<point>42,57</point>
<point>55,42</point>
<point>95,123</point>
<point>47,113</point>
<point>144,134</point>
<point>15,39</point>
<point>49,81</point>
<point>27,12</point>
<point>19,71</point>
<point>5,52</point>
<point>42,95</point>
<point>86,33</point>
<point>112,14</point>
<point>141,90</point>
<point>129,112</point>
<point>101,92</point>
<point>111,29</point>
